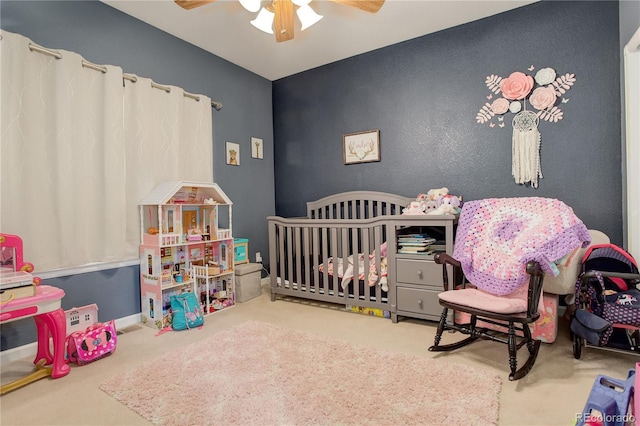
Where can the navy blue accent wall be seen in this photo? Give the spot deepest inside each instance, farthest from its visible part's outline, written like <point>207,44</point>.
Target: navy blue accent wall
<point>104,35</point>
<point>424,95</point>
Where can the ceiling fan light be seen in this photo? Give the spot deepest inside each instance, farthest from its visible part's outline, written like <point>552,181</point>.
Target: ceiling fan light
<point>301,2</point>
<point>250,5</point>
<point>264,21</point>
<point>307,16</point>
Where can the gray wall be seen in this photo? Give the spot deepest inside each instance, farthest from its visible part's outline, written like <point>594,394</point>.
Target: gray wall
<point>104,35</point>
<point>424,94</point>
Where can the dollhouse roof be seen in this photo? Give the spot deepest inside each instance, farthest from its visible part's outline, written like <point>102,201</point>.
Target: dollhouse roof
<point>167,190</point>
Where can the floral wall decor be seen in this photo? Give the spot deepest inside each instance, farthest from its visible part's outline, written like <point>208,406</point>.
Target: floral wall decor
<point>544,93</point>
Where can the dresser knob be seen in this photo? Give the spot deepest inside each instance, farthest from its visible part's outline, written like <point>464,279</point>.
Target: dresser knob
<point>420,302</point>
<point>419,273</point>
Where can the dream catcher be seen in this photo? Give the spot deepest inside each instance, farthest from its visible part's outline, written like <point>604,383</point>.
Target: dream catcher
<point>525,148</point>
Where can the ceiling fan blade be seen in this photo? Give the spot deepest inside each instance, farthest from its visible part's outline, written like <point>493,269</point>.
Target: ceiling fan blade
<point>283,20</point>
<point>367,5</point>
<point>190,4</point>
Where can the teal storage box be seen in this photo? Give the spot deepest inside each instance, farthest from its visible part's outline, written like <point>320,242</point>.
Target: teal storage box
<point>240,250</point>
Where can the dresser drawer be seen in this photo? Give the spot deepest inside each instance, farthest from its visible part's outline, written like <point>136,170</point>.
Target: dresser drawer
<point>425,272</point>
<point>419,301</point>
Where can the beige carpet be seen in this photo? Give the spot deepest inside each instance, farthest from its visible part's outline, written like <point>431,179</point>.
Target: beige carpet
<point>259,373</point>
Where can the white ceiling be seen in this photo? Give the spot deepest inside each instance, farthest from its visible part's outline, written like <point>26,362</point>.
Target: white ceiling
<point>223,29</point>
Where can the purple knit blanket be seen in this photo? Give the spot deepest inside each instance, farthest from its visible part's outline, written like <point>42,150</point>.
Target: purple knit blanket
<point>496,237</point>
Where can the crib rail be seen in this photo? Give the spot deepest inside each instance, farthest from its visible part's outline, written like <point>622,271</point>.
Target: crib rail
<point>300,251</point>
<point>357,205</point>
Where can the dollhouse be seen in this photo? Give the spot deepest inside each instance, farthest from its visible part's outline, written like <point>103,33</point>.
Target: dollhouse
<point>186,245</point>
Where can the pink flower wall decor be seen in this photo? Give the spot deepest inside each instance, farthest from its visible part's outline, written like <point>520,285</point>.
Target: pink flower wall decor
<point>543,98</point>
<point>519,88</point>
<point>511,95</point>
<point>500,106</point>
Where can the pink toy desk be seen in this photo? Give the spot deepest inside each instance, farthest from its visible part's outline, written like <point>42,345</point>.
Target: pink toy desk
<point>50,320</point>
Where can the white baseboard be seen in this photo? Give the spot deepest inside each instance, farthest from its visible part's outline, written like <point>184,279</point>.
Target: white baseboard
<point>14,354</point>
<point>128,321</point>
<point>30,349</point>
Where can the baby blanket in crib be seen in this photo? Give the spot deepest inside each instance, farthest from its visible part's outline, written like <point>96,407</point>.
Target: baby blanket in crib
<point>496,237</point>
<point>346,274</point>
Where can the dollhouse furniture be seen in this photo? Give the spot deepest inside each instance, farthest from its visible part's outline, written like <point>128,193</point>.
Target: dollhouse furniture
<point>186,246</point>
<point>45,308</point>
<point>345,252</point>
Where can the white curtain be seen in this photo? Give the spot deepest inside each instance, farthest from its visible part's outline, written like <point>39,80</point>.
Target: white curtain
<point>169,138</point>
<point>61,157</point>
<point>79,150</point>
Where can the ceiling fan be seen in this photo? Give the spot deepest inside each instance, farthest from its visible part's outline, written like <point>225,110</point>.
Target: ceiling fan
<point>277,17</point>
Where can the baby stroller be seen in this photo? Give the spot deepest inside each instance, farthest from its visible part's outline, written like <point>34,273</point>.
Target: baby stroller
<point>607,314</point>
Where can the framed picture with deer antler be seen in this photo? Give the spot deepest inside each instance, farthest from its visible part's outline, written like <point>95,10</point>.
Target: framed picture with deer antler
<point>361,147</point>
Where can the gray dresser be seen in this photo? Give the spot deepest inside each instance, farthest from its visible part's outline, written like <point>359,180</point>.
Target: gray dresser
<point>415,278</point>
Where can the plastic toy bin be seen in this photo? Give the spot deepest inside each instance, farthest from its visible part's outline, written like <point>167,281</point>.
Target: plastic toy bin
<point>248,281</point>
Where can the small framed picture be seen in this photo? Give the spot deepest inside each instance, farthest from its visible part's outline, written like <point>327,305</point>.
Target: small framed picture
<point>257,148</point>
<point>361,147</point>
<point>233,154</point>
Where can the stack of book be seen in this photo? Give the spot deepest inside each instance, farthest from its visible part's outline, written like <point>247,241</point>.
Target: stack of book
<point>438,247</point>
<point>415,243</point>
<point>14,285</point>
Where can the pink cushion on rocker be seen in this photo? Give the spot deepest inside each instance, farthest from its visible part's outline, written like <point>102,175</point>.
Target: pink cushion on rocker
<point>474,298</point>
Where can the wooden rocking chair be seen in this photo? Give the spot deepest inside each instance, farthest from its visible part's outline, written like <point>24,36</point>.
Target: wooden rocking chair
<point>508,315</point>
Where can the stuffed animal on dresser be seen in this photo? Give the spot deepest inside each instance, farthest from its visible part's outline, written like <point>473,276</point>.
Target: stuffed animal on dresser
<point>448,204</point>
<point>434,194</point>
